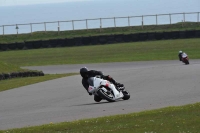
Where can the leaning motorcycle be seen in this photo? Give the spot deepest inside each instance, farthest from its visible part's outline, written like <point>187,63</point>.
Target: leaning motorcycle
<point>106,90</point>
<point>185,59</point>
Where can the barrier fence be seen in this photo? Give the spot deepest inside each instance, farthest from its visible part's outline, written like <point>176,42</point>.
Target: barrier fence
<point>102,39</point>
<point>96,23</point>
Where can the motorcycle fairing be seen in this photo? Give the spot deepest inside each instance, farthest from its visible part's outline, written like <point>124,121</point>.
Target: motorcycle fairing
<point>96,83</point>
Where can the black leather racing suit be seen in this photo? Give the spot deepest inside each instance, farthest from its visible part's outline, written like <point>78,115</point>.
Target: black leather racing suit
<point>180,56</point>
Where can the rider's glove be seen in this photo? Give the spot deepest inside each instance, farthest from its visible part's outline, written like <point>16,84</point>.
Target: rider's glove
<point>90,94</point>
<point>102,76</point>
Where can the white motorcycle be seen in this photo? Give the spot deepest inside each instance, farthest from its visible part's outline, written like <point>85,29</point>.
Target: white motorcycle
<point>185,58</point>
<point>106,90</point>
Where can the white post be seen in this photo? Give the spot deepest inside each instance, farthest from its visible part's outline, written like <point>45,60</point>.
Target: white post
<point>31,28</point>
<point>17,28</point>
<point>183,17</point>
<point>100,24</point>
<point>114,22</point>
<point>45,28</point>
<point>142,21</point>
<point>170,19</point>
<point>3,29</point>
<point>128,21</point>
<point>73,24</point>
<point>86,24</point>
<point>198,17</point>
<point>58,27</point>
<point>156,19</point>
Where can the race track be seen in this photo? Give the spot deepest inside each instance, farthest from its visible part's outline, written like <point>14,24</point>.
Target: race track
<point>152,85</point>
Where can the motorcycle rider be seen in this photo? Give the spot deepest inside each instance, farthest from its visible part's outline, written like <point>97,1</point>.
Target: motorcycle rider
<point>182,55</point>
<point>85,73</point>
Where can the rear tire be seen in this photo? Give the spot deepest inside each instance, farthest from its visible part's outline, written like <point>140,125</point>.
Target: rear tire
<point>126,95</point>
<point>104,95</point>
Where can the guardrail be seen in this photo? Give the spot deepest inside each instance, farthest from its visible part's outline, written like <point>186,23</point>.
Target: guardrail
<point>99,23</point>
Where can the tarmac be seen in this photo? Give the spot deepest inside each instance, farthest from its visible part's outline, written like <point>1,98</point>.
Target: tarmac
<point>152,85</point>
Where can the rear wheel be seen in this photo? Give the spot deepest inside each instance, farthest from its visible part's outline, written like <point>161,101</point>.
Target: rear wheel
<point>105,95</point>
<point>126,95</point>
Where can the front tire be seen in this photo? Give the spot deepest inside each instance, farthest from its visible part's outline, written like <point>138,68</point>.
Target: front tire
<point>97,98</point>
<point>187,62</point>
<point>126,95</point>
<point>109,97</point>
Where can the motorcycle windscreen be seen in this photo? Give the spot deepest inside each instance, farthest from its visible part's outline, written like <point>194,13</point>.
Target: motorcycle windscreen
<point>91,81</point>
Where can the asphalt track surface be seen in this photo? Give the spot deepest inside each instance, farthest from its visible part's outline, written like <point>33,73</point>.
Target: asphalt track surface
<point>152,85</point>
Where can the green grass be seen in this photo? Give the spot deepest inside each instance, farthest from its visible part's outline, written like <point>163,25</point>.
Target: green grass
<point>180,119</point>
<point>6,68</point>
<point>94,32</point>
<point>19,82</point>
<point>121,52</point>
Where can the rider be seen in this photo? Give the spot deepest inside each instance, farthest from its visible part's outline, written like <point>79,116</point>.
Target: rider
<point>85,73</point>
<point>181,55</point>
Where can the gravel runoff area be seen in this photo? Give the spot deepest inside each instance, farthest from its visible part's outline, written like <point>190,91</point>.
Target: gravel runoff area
<point>152,85</point>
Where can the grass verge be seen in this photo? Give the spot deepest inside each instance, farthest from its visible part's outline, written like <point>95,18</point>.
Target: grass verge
<point>95,32</point>
<point>6,68</point>
<point>180,119</point>
<point>18,82</point>
<point>122,52</point>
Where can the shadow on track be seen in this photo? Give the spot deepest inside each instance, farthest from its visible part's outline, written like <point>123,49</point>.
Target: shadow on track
<point>105,102</point>
<point>92,103</point>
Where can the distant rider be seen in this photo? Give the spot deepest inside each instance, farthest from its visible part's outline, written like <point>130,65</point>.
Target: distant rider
<point>182,55</point>
<point>85,73</point>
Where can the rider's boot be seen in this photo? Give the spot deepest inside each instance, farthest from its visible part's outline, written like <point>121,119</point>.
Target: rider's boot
<point>120,86</point>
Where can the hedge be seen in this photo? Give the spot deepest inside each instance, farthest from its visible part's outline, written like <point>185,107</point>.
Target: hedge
<point>4,76</point>
<point>102,39</point>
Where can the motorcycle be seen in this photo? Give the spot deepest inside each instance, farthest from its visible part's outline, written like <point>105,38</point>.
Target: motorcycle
<point>106,90</point>
<point>185,59</point>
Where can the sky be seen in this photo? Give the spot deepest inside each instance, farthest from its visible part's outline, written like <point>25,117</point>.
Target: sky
<point>31,2</point>
<point>11,13</point>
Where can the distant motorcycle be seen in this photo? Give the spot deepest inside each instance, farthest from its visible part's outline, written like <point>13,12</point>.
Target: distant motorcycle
<point>185,59</point>
<point>106,90</point>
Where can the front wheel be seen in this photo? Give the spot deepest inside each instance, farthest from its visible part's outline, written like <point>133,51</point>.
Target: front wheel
<point>126,95</point>
<point>187,62</point>
<point>97,98</point>
<point>105,95</point>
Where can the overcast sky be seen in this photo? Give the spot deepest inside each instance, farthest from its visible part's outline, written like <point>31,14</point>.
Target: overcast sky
<point>29,2</point>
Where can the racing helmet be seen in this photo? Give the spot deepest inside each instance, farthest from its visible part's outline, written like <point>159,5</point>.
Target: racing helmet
<point>83,72</point>
<point>180,52</point>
